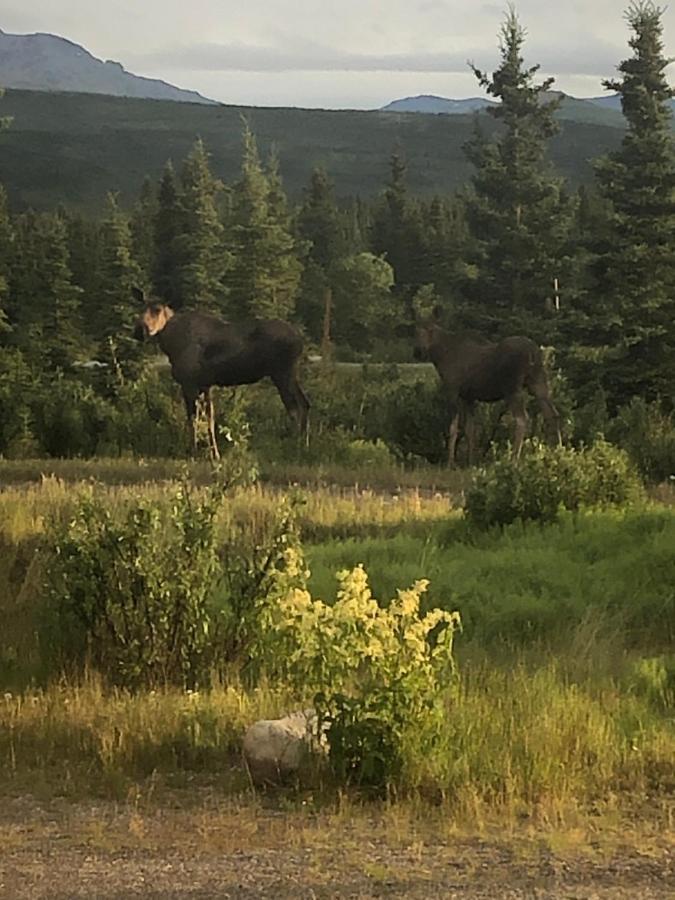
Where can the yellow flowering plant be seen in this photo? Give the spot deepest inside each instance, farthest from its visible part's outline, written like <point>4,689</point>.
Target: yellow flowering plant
<point>375,672</point>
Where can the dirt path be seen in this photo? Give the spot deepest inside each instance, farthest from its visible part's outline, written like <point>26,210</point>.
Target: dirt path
<point>218,850</point>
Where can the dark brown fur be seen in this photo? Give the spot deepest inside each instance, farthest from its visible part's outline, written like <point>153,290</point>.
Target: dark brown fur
<point>205,351</point>
<point>473,370</point>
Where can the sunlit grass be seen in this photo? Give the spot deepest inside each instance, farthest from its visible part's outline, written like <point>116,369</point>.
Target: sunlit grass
<point>567,688</point>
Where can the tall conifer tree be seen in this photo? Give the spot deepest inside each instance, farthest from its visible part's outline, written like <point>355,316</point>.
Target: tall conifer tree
<point>517,211</point>
<point>632,317</point>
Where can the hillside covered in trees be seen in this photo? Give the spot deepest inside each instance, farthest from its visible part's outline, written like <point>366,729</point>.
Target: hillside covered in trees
<point>71,149</point>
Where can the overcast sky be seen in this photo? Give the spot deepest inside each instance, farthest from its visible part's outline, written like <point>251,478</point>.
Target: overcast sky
<point>333,53</point>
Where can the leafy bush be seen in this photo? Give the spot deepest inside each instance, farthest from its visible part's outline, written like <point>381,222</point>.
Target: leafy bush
<point>377,675</point>
<point>654,679</point>
<point>648,434</point>
<point>547,479</point>
<point>153,595</point>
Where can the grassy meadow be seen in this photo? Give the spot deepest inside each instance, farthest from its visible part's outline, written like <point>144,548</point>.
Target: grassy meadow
<point>564,707</point>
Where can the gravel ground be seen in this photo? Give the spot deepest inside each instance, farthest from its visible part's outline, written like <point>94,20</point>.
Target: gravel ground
<point>59,850</point>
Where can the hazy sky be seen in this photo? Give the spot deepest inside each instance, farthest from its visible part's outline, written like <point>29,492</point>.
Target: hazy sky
<point>347,53</point>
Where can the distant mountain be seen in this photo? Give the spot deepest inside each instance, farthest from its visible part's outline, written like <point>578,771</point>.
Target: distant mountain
<point>609,101</point>
<point>572,109</point>
<point>428,103</point>
<point>613,101</point>
<point>44,62</point>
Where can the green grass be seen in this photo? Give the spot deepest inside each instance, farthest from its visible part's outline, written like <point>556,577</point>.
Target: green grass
<point>567,686</point>
<point>530,584</point>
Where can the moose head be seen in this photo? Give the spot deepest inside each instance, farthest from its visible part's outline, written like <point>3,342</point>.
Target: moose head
<point>153,318</point>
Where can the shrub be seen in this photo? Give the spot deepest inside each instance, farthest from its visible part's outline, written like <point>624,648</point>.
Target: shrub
<point>648,434</point>
<point>377,675</point>
<point>547,479</point>
<point>153,595</point>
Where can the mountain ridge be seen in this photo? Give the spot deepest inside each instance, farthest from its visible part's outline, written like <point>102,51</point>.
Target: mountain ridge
<point>48,62</point>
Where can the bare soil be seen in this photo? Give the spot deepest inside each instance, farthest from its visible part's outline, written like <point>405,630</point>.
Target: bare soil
<point>210,848</point>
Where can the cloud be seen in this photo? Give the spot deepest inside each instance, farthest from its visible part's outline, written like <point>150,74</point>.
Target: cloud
<point>596,59</point>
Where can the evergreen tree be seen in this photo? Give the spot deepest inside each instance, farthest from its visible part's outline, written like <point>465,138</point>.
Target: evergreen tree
<point>143,219</point>
<point>168,227</point>
<point>445,249</point>
<point>6,250</point>
<point>199,247</point>
<point>265,274</point>
<point>115,311</point>
<point>516,211</point>
<point>633,317</point>
<point>45,302</point>
<point>396,231</point>
<point>320,226</point>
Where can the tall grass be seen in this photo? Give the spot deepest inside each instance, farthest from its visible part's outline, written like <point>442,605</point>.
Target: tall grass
<point>567,684</point>
<point>515,742</point>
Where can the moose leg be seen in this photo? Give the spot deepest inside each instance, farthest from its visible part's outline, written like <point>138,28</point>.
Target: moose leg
<point>288,391</point>
<point>551,415</point>
<point>452,437</point>
<point>190,398</point>
<point>303,410</point>
<point>517,407</point>
<point>470,431</point>
<point>211,415</point>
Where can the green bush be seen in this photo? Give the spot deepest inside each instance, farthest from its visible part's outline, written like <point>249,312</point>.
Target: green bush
<point>648,434</point>
<point>546,479</point>
<point>378,675</point>
<point>153,594</point>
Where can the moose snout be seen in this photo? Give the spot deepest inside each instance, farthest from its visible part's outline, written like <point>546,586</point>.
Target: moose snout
<point>140,332</point>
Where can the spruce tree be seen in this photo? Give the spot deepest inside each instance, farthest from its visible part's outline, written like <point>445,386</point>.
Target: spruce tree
<point>633,318</point>
<point>143,217</point>
<point>265,274</point>
<point>45,302</point>
<point>6,249</point>
<point>396,230</point>
<point>517,212</point>
<point>166,280</point>
<point>115,312</point>
<point>320,227</point>
<point>200,247</point>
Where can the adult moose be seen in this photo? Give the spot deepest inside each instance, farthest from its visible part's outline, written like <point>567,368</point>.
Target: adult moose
<point>473,370</point>
<point>205,351</point>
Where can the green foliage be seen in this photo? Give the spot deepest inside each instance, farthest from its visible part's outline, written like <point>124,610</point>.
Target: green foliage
<point>114,312</point>
<point>634,307</point>
<point>377,675</point>
<point>266,272</point>
<point>199,246</point>
<point>363,304</point>
<point>134,597</point>
<point>654,678</point>
<point>17,385</point>
<point>397,230</point>
<point>647,433</point>
<point>151,595</point>
<point>546,480</point>
<point>167,229</point>
<point>516,212</point>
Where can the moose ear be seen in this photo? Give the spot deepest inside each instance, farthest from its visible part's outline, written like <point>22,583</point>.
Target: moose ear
<point>138,294</point>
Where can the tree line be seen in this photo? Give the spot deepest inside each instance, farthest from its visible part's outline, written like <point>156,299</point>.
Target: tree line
<point>588,272</point>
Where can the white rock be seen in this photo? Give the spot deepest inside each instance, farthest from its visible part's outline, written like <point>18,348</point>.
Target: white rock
<point>275,749</point>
